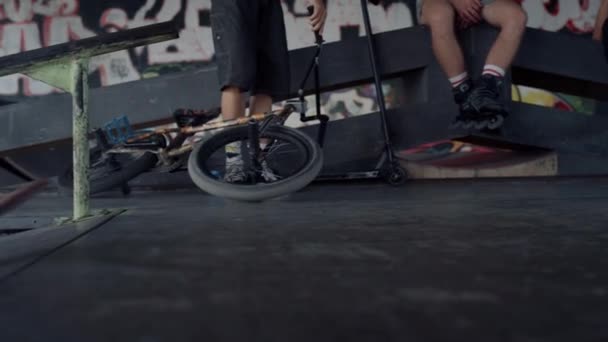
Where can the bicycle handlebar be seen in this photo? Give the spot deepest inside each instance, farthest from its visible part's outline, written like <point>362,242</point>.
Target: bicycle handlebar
<point>318,36</point>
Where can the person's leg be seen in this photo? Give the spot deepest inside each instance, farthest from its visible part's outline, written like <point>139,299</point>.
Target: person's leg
<point>273,77</point>
<point>234,41</point>
<point>260,103</point>
<point>605,39</point>
<point>600,20</point>
<point>234,24</point>
<point>439,16</point>
<point>510,18</point>
<point>486,98</point>
<point>233,107</point>
<point>233,103</point>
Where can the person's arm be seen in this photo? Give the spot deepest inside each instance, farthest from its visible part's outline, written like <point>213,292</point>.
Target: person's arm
<point>317,20</point>
<point>602,15</point>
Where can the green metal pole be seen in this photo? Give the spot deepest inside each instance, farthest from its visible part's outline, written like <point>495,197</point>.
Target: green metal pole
<point>80,118</point>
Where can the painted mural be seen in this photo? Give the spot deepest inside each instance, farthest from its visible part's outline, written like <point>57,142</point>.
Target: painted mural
<point>31,24</point>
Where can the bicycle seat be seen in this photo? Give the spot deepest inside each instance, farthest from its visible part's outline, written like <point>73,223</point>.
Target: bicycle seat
<point>192,117</point>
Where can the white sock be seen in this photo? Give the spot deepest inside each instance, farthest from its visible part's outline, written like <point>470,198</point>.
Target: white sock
<point>493,70</point>
<point>460,79</point>
<point>233,152</point>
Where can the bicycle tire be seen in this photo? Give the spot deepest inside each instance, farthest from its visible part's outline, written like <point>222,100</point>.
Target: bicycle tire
<point>115,179</point>
<point>258,192</point>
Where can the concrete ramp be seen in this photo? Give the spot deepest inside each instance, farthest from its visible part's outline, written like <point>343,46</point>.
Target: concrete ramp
<point>21,250</point>
<point>477,157</point>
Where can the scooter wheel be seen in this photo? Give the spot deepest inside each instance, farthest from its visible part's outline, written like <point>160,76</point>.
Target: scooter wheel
<point>396,175</point>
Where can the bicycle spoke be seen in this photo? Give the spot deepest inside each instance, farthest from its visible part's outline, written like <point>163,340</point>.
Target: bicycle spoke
<point>275,154</point>
<point>96,164</point>
<point>270,173</point>
<point>274,148</point>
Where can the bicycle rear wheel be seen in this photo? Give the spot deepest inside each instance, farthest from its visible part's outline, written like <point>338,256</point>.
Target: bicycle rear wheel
<point>294,158</point>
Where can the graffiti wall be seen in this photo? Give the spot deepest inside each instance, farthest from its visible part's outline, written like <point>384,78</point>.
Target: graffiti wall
<point>31,24</point>
<point>577,16</point>
<point>574,16</point>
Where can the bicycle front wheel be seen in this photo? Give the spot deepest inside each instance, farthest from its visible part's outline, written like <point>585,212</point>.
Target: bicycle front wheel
<point>292,157</point>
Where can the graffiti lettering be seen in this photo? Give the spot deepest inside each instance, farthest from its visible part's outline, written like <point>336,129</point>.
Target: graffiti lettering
<point>40,23</point>
<point>555,15</point>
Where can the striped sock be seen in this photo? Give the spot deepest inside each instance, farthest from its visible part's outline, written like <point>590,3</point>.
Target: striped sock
<point>460,79</point>
<point>233,152</point>
<point>493,70</point>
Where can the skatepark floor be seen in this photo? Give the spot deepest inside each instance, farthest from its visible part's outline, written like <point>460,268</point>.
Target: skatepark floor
<point>466,260</point>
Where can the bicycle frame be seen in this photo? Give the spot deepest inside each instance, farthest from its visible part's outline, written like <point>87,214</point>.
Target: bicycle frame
<point>135,144</point>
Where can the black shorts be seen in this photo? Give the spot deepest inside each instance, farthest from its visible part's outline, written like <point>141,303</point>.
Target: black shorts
<point>251,46</point>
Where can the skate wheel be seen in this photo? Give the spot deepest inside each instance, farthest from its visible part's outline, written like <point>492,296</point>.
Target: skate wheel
<point>496,122</point>
<point>479,125</point>
<point>468,124</point>
<point>455,124</point>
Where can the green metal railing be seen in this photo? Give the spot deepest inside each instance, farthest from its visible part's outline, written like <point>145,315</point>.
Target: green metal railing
<point>65,66</point>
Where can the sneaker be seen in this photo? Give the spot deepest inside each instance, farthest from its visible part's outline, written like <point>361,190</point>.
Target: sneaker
<point>235,172</point>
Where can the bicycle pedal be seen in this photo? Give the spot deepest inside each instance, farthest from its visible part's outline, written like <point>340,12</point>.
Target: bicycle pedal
<point>118,131</point>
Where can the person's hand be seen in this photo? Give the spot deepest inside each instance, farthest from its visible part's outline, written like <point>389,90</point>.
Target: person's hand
<point>462,23</point>
<point>469,11</point>
<point>317,19</point>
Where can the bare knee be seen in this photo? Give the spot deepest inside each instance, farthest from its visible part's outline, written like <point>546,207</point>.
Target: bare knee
<point>439,17</point>
<point>515,21</point>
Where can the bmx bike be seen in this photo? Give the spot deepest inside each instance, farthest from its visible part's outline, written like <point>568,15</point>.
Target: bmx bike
<point>118,153</point>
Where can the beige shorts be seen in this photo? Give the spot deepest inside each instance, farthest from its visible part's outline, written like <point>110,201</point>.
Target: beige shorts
<point>419,7</point>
